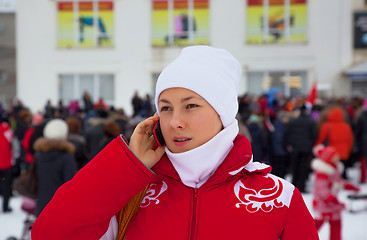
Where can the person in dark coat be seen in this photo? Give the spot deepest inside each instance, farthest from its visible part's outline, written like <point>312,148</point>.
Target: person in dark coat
<point>300,137</point>
<point>94,135</point>
<point>361,142</point>
<point>88,102</point>
<point>147,108</point>
<point>23,122</point>
<point>55,162</point>
<point>111,131</point>
<point>137,103</point>
<point>121,119</point>
<point>279,152</point>
<point>78,140</point>
<point>257,137</point>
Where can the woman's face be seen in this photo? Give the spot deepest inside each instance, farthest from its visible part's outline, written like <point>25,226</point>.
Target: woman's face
<point>187,120</point>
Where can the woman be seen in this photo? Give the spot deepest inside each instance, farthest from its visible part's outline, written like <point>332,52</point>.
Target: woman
<point>337,133</point>
<point>202,184</point>
<point>55,162</point>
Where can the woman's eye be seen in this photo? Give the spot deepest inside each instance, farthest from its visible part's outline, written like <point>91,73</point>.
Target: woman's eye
<point>163,109</point>
<point>192,106</point>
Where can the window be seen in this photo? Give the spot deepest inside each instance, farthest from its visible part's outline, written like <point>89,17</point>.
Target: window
<point>154,82</point>
<point>360,30</point>
<point>3,76</point>
<point>73,86</point>
<point>289,83</point>
<point>276,21</point>
<point>85,24</point>
<point>180,22</point>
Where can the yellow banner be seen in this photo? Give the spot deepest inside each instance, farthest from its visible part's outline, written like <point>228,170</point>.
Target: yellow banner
<point>179,32</point>
<point>77,26</point>
<point>256,25</point>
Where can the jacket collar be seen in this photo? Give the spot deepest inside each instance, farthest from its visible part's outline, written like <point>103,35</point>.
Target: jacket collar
<point>235,162</point>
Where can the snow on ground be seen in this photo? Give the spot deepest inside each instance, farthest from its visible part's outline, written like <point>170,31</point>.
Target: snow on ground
<point>354,224</point>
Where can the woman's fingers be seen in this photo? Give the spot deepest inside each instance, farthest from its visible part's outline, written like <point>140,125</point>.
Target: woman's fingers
<point>153,156</point>
<point>146,126</point>
<point>142,142</point>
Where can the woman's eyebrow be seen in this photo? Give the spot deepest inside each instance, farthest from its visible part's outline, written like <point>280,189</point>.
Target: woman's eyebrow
<point>187,99</point>
<point>191,97</point>
<point>183,100</point>
<point>164,101</point>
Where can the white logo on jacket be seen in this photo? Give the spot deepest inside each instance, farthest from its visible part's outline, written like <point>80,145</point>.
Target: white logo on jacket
<point>152,194</point>
<point>278,195</point>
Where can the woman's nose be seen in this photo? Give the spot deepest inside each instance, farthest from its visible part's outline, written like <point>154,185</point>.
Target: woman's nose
<point>177,121</point>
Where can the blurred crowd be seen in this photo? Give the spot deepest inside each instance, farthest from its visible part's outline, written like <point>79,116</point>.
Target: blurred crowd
<point>282,132</point>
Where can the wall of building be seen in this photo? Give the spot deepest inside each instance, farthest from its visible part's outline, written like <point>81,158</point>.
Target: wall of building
<point>7,58</point>
<point>133,60</point>
<point>324,56</point>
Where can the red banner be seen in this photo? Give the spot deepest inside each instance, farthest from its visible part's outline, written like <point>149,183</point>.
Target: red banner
<point>180,4</point>
<point>85,6</point>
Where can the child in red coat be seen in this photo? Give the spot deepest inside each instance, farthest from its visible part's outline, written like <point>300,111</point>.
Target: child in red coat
<point>328,182</point>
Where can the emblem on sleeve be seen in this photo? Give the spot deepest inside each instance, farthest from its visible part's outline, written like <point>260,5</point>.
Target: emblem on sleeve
<point>152,194</point>
<point>265,199</point>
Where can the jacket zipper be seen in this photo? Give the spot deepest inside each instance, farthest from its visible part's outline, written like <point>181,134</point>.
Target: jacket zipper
<point>193,223</point>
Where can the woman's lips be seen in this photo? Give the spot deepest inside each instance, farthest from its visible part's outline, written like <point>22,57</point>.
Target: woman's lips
<point>181,141</point>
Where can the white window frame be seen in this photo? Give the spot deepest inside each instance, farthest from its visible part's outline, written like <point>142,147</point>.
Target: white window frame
<point>267,85</point>
<point>96,87</point>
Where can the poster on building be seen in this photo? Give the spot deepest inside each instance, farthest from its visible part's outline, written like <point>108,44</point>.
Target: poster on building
<point>85,24</point>
<point>360,30</point>
<point>277,22</point>
<point>175,23</point>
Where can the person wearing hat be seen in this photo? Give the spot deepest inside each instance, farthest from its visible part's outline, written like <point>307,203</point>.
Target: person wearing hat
<point>328,182</point>
<point>202,184</point>
<point>6,164</point>
<point>54,159</point>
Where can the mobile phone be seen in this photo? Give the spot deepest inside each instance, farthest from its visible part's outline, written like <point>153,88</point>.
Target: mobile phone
<point>158,136</point>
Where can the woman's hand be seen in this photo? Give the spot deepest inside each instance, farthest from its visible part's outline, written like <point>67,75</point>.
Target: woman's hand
<point>142,142</point>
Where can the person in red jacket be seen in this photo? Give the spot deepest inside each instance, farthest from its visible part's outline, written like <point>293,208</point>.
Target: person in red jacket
<point>328,182</point>
<point>6,163</point>
<point>337,134</point>
<point>28,139</point>
<point>202,184</point>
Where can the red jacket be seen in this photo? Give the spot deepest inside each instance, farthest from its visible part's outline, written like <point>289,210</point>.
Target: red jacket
<point>26,145</point>
<point>339,133</point>
<point>239,201</point>
<point>6,136</point>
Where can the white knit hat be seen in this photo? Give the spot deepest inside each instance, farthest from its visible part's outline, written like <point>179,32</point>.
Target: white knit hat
<point>212,73</point>
<point>56,129</point>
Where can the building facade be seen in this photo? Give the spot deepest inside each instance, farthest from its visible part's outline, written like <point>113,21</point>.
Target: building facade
<point>7,52</point>
<point>357,72</point>
<point>112,48</point>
